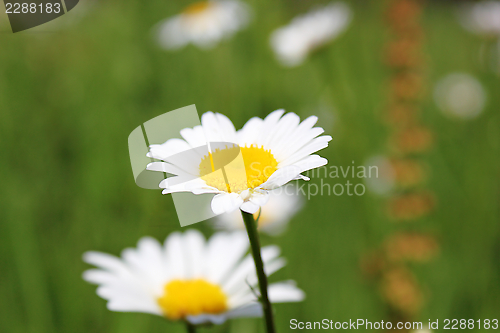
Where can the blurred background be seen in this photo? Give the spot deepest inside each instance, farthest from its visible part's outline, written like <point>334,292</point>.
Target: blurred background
<point>71,92</point>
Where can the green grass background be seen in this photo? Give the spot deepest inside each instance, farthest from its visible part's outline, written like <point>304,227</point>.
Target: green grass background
<point>69,99</point>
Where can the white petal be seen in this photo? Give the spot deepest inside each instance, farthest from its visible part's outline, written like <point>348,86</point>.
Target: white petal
<point>170,34</point>
<point>312,147</point>
<point>258,198</point>
<point>134,305</point>
<point>286,125</point>
<point>226,202</point>
<point>207,318</point>
<point>269,123</point>
<point>249,133</point>
<point>295,142</point>
<point>270,267</point>
<point>281,177</point>
<point>146,262</point>
<point>167,149</point>
<point>205,190</point>
<point>251,310</point>
<point>194,247</point>
<point>194,136</point>
<point>226,127</point>
<point>174,256</point>
<point>218,128</point>
<point>310,162</point>
<point>242,297</point>
<point>98,276</point>
<point>249,207</point>
<point>246,269</point>
<point>105,261</point>
<point>285,292</point>
<point>224,251</point>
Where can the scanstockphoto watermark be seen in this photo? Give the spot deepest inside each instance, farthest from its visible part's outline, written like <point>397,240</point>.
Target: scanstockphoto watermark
<point>333,180</point>
<point>357,324</point>
<point>365,324</point>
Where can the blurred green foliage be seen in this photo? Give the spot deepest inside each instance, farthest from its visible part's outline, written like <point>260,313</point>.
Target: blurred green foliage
<point>69,99</point>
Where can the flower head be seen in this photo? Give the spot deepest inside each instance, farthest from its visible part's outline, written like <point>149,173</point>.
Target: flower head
<point>273,219</point>
<point>460,95</point>
<point>204,24</point>
<point>273,151</point>
<point>482,17</point>
<point>188,278</point>
<point>293,42</point>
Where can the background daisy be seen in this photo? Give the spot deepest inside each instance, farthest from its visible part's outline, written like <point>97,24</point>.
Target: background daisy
<point>203,23</point>
<point>188,278</point>
<point>293,42</point>
<point>460,95</point>
<point>482,17</point>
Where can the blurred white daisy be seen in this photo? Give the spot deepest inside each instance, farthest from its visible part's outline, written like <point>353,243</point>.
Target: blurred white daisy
<point>273,151</point>
<point>203,23</point>
<point>460,95</point>
<point>188,278</point>
<point>293,42</point>
<point>283,204</point>
<point>482,17</point>
<point>381,181</point>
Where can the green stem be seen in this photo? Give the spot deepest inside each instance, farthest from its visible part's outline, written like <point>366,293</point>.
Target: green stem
<point>190,328</point>
<point>253,236</point>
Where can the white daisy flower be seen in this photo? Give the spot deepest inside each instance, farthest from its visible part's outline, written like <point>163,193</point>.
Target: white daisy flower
<point>460,95</point>
<point>293,42</point>
<point>273,219</point>
<point>271,152</point>
<point>482,17</point>
<point>188,278</point>
<point>204,24</point>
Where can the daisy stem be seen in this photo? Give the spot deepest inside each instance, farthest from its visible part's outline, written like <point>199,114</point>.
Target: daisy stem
<point>253,236</point>
<point>190,328</point>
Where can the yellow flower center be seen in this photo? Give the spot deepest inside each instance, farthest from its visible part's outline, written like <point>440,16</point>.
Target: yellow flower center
<point>183,298</point>
<point>197,7</point>
<point>237,174</point>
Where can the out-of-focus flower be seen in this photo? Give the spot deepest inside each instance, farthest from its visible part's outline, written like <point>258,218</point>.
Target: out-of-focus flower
<point>411,247</point>
<point>482,17</point>
<point>283,204</point>
<point>460,95</point>
<point>203,24</point>
<point>293,42</point>
<point>400,289</point>
<point>381,182</point>
<point>274,150</point>
<point>188,278</point>
<point>414,139</point>
<point>411,206</point>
